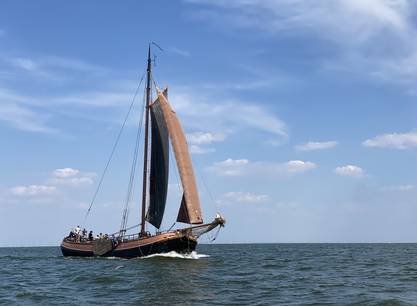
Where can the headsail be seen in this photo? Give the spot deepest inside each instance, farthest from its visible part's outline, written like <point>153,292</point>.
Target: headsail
<point>190,211</point>
<point>158,183</point>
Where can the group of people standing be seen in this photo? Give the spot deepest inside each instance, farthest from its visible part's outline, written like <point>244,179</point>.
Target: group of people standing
<point>81,235</point>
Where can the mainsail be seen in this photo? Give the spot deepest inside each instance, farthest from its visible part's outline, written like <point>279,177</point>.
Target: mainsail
<point>190,211</point>
<point>158,182</point>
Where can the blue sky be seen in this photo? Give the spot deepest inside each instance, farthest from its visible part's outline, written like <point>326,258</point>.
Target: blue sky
<point>300,115</point>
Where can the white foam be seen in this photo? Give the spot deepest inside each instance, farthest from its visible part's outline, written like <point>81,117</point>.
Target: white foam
<point>173,254</point>
<point>112,257</point>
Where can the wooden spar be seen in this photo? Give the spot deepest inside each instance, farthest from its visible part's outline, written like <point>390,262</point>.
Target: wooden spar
<point>145,153</point>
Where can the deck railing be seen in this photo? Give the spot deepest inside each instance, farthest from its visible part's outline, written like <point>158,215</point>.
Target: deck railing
<point>118,237</point>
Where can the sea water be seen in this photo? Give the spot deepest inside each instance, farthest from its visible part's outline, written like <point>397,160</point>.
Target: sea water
<point>236,274</point>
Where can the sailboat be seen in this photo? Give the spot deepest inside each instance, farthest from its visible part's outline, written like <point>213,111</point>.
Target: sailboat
<point>165,128</point>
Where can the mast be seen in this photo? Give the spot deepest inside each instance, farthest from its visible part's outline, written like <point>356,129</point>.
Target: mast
<point>145,152</point>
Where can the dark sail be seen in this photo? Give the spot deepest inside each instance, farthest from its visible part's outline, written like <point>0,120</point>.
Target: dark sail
<point>158,184</point>
<point>183,212</point>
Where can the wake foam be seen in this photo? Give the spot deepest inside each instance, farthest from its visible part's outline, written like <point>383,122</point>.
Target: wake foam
<point>173,254</point>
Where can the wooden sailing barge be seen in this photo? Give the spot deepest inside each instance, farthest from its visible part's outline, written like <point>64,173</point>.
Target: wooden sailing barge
<point>165,127</point>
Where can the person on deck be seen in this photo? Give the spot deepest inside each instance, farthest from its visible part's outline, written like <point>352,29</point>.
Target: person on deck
<point>77,232</point>
<point>114,241</point>
<point>90,236</point>
<point>74,233</point>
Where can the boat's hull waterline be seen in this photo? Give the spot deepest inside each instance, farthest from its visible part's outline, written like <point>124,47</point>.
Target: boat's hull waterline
<point>180,241</point>
<point>162,243</point>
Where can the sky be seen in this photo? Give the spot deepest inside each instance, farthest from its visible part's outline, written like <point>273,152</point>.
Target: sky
<point>300,115</point>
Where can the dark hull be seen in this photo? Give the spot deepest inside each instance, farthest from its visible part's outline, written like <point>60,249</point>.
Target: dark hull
<point>132,249</point>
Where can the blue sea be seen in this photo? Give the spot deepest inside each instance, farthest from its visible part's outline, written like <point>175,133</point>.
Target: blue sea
<point>234,274</point>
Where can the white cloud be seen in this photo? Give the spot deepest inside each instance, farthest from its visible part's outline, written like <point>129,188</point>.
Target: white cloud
<point>242,167</point>
<point>256,117</point>
<point>363,31</point>
<point>94,99</point>
<point>350,170</point>
<point>178,51</point>
<point>32,113</point>
<point>73,64</point>
<point>201,138</point>
<point>230,167</point>
<point>22,117</point>
<point>314,145</point>
<point>195,149</point>
<point>400,188</point>
<point>299,166</point>
<point>48,66</point>
<point>198,140</point>
<point>226,116</point>
<point>76,181</point>
<point>65,172</point>
<point>24,63</point>
<point>273,142</point>
<point>394,141</point>
<point>55,184</point>
<point>242,197</point>
<point>33,190</point>
<point>245,85</point>
<point>71,177</point>
<point>346,18</point>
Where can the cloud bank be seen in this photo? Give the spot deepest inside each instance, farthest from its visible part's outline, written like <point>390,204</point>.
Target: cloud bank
<point>393,141</point>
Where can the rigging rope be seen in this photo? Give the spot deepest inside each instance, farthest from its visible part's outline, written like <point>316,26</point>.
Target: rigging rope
<point>133,168</point>
<point>217,234</point>
<point>127,229</point>
<point>132,172</point>
<point>200,175</point>
<point>114,148</point>
<point>178,183</point>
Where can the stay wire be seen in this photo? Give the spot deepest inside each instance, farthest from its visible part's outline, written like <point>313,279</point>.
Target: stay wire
<point>114,148</point>
<point>133,171</point>
<point>200,175</point>
<point>178,182</point>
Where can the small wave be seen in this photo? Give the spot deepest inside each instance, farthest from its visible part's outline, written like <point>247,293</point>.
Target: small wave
<point>173,254</point>
<point>111,258</point>
<point>389,302</point>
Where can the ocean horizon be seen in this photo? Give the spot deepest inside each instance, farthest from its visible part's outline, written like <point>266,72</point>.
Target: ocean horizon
<point>237,243</point>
